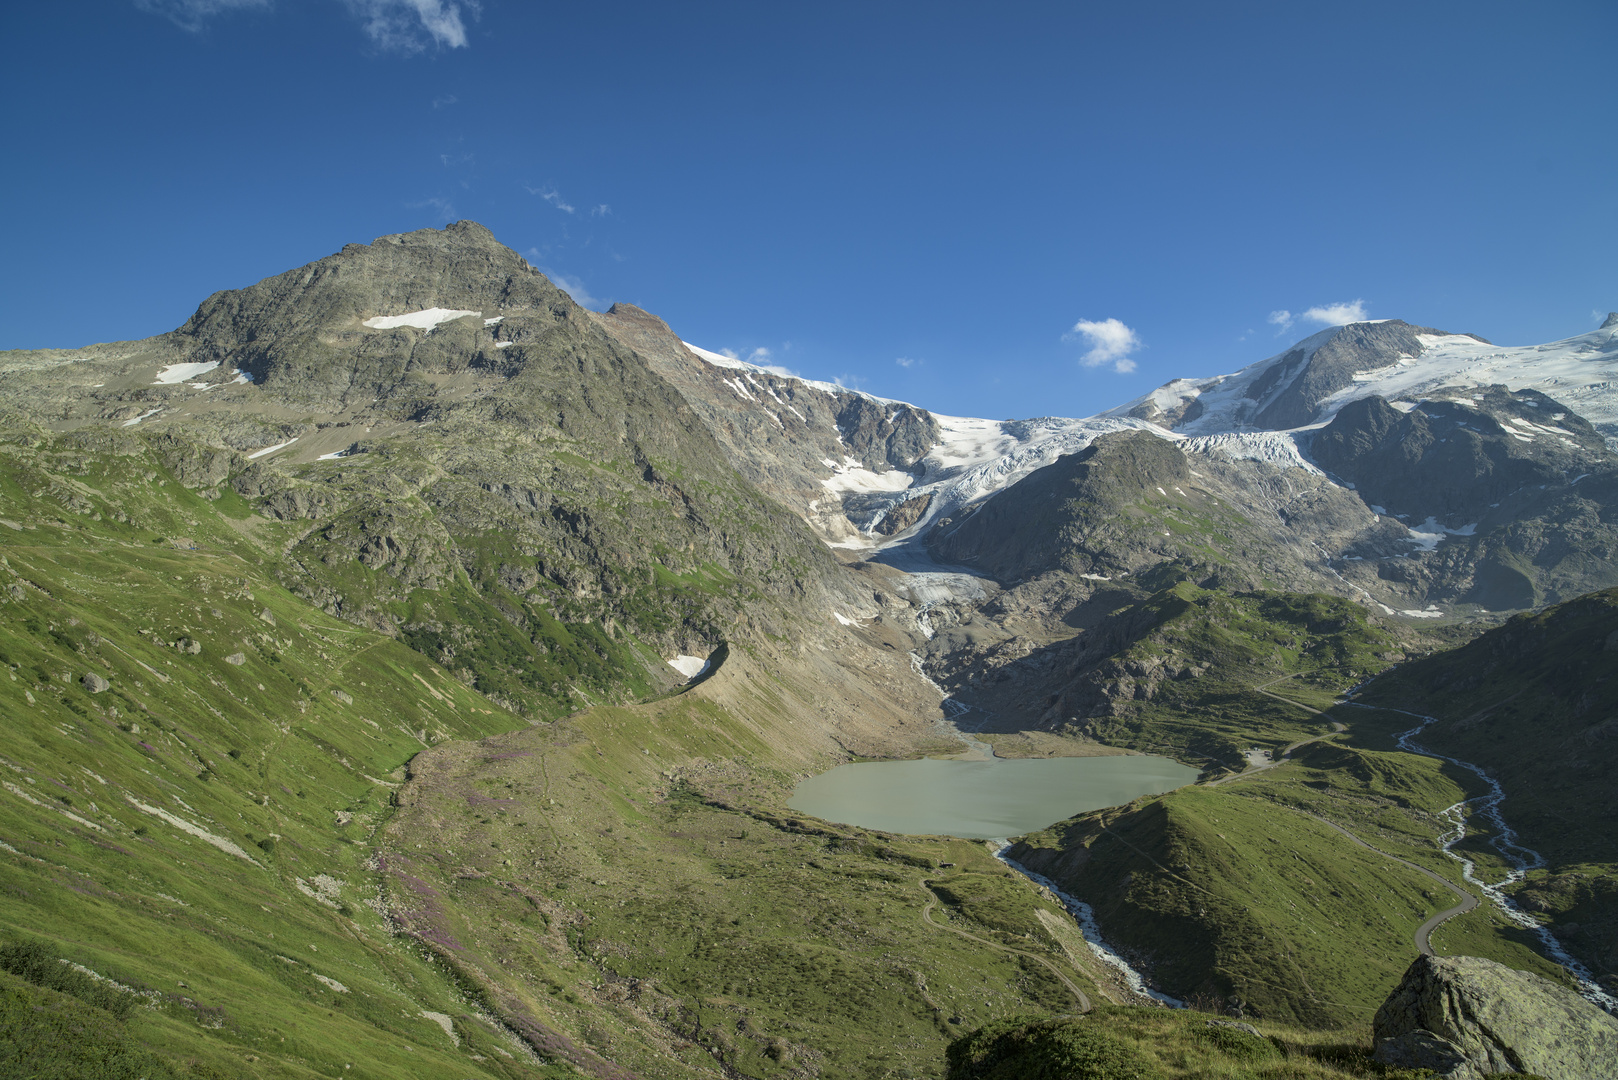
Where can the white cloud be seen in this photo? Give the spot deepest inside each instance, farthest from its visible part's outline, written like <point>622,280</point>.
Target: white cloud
<point>1110,341</point>
<point>447,99</point>
<point>575,288</point>
<point>190,14</point>
<point>906,361</point>
<point>601,211</point>
<point>552,196</point>
<point>1337,314</point>
<point>1327,315</point>
<point>409,26</point>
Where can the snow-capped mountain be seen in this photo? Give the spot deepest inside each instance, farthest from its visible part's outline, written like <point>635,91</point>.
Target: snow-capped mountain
<point>1307,384</point>
<point>1265,413</point>
<point>1435,478</point>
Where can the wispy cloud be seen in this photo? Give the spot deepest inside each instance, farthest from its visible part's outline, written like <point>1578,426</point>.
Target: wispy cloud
<point>906,361</point>
<point>1338,314</point>
<point>552,196</point>
<point>760,358</point>
<point>402,26</point>
<point>443,208</point>
<point>850,382</point>
<point>410,26</point>
<point>1110,342</point>
<point>445,101</point>
<point>189,15</point>
<point>602,210</point>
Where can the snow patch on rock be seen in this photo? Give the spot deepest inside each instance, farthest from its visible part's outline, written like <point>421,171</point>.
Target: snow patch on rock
<point>426,319</point>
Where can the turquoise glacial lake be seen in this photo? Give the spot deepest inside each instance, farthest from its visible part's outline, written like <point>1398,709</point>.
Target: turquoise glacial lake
<point>982,799</point>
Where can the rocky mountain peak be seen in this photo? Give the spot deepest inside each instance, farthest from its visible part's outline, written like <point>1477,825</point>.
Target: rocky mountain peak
<point>631,314</point>
<point>1288,395</point>
<point>359,321</point>
<point>1611,321</point>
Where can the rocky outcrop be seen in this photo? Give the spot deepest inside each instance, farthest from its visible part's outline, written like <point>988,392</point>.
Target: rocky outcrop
<point>904,515</point>
<point>1308,381</point>
<point>1069,515</point>
<point>1465,1017</point>
<point>785,434</point>
<point>1508,498</point>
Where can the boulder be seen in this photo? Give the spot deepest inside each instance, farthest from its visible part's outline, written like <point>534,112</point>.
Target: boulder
<point>236,658</point>
<point>94,683</point>
<point>1466,1017</point>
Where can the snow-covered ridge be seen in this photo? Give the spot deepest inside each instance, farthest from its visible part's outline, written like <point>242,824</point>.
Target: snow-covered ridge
<point>975,458</point>
<point>1580,371</point>
<point>723,361</point>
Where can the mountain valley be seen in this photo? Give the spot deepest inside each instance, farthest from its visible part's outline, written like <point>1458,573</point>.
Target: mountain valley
<point>409,669</point>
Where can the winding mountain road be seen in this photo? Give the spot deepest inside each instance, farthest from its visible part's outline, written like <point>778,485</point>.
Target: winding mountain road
<point>1424,932</point>
<point>927,917</point>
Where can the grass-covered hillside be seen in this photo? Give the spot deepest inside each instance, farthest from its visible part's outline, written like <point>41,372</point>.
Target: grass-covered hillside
<point>1243,893</point>
<point>1535,702</point>
<point>195,764</point>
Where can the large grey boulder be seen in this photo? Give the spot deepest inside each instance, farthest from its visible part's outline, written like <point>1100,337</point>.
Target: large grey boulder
<point>1465,1017</point>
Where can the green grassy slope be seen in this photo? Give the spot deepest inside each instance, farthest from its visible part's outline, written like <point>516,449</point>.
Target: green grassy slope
<point>1183,670</point>
<point>627,879</point>
<point>1535,702</point>
<point>202,829</point>
<point>1244,891</point>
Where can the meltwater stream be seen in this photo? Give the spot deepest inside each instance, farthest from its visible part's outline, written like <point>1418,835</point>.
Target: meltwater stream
<point>1522,859</point>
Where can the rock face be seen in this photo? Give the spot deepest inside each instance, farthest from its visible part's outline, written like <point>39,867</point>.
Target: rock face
<point>1309,380</point>
<point>785,434</point>
<point>1064,514</point>
<point>1519,490</point>
<point>1466,1017</point>
<point>468,461</point>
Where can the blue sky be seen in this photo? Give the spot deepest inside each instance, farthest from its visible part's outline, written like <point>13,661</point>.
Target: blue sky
<point>993,210</point>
